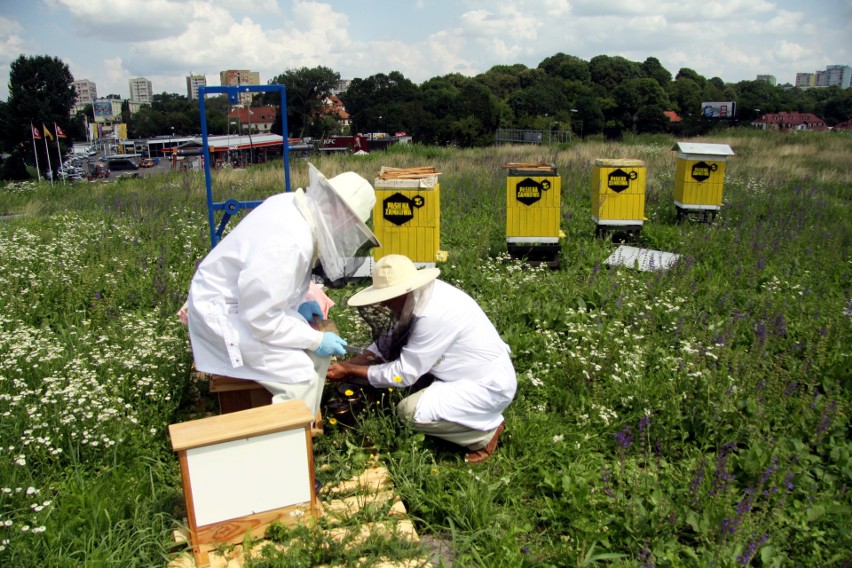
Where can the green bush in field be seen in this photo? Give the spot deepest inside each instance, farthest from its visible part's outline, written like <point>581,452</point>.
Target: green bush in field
<point>696,416</point>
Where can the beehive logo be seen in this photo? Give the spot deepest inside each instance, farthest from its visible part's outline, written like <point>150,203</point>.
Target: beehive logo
<point>703,170</point>
<point>619,180</point>
<point>528,191</point>
<point>399,209</point>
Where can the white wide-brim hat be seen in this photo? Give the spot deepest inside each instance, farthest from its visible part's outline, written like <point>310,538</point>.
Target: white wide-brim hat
<point>393,276</point>
<point>356,192</point>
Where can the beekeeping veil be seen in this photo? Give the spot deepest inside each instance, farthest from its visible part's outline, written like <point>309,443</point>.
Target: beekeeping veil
<point>337,211</point>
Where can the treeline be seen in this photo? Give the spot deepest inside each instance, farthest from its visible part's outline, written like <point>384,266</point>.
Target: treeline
<point>606,94</point>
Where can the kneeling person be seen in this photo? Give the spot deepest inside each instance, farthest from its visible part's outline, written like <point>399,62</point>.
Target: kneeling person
<point>447,336</point>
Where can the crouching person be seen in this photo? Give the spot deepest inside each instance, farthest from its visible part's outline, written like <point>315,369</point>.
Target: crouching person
<point>439,333</point>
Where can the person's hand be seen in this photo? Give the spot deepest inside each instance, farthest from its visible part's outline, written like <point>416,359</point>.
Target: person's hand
<point>336,372</point>
<point>332,344</point>
<point>309,310</point>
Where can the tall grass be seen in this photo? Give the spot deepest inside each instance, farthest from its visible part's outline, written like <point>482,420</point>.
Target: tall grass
<point>696,416</point>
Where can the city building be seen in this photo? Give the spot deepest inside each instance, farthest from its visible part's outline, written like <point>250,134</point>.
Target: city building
<point>789,121</point>
<point>836,76</point>
<point>805,80</point>
<point>831,76</point>
<point>141,90</point>
<point>341,86</point>
<point>192,84</point>
<point>232,77</point>
<point>767,79</point>
<point>86,91</point>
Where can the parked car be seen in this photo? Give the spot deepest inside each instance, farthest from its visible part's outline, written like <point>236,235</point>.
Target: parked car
<point>146,163</point>
<point>118,164</point>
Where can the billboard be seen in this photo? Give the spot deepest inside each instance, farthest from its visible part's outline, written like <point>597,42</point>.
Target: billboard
<point>725,109</point>
<point>102,109</point>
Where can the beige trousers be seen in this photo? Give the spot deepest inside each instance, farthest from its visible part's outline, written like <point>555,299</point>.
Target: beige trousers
<point>450,431</point>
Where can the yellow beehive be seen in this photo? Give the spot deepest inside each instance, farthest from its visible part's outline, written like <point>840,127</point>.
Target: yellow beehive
<point>618,192</point>
<point>700,175</point>
<point>533,202</point>
<point>407,214</point>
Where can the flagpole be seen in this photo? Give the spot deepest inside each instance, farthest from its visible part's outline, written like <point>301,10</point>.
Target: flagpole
<point>59,151</point>
<point>35,152</point>
<point>47,151</point>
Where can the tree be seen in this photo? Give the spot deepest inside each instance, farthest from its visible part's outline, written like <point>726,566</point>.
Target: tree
<point>307,88</point>
<point>609,72</point>
<point>641,97</point>
<point>502,80</point>
<point>374,103</point>
<point>40,92</point>
<point>653,69</point>
<point>566,67</point>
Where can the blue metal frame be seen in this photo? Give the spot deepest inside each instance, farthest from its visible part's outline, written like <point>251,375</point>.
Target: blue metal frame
<point>231,206</point>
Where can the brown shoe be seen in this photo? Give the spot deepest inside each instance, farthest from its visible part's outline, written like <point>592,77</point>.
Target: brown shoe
<point>482,454</point>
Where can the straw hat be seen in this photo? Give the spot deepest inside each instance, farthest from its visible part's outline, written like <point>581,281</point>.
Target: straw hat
<point>393,276</point>
<point>356,192</point>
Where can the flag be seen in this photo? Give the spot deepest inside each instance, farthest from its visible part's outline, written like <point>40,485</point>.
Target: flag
<point>59,132</point>
<point>36,133</point>
<point>47,133</point>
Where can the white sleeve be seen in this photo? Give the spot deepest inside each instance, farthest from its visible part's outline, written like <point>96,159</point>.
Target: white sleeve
<point>429,340</point>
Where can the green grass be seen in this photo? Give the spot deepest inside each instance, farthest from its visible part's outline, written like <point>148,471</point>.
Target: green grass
<point>697,416</point>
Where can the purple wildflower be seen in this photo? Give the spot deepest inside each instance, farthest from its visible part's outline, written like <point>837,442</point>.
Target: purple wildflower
<point>646,557</point>
<point>605,476</point>
<point>625,437</point>
<point>751,548</point>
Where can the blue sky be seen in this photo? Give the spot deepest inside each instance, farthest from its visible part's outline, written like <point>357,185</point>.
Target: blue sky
<point>111,41</point>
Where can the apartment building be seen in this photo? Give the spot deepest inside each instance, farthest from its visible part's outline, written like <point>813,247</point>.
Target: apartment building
<point>831,76</point>
<point>767,79</point>
<point>192,84</point>
<point>86,91</point>
<point>141,90</point>
<point>232,77</point>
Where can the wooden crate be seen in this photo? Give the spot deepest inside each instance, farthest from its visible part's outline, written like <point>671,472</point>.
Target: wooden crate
<point>238,394</point>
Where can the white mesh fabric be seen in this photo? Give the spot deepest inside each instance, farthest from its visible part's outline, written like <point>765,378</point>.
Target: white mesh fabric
<point>338,231</point>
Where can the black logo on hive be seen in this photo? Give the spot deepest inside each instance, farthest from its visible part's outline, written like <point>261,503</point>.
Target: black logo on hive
<point>702,170</point>
<point>528,191</point>
<point>619,180</point>
<point>399,209</point>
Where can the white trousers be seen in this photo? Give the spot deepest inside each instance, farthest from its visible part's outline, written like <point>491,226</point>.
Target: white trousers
<point>309,391</point>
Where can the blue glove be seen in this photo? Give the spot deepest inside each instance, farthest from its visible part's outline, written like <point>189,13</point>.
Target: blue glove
<point>309,310</point>
<point>332,344</point>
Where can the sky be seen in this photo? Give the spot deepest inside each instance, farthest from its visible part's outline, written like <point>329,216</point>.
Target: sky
<point>112,41</point>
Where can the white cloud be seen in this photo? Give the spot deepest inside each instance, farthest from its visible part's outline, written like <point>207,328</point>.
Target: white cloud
<point>125,20</point>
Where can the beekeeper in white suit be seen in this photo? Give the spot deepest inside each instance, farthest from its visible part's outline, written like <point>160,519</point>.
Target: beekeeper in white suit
<point>450,338</point>
<point>248,312</point>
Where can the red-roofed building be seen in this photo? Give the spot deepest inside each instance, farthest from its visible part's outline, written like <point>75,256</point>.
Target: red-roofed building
<point>259,119</point>
<point>672,116</point>
<point>790,121</point>
<point>333,107</point>
<point>843,125</point>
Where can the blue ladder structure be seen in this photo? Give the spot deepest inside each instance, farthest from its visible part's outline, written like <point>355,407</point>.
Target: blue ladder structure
<point>231,206</point>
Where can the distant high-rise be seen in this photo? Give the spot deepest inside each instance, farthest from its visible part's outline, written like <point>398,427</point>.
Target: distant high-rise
<point>86,91</point>
<point>767,79</point>
<point>141,90</point>
<point>232,77</point>
<point>831,76</point>
<point>805,80</point>
<point>192,84</point>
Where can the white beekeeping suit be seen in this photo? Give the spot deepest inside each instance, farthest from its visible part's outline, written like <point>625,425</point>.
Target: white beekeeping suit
<point>245,297</point>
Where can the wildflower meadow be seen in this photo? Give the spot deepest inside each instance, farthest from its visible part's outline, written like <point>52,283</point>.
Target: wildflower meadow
<point>693,416</point>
